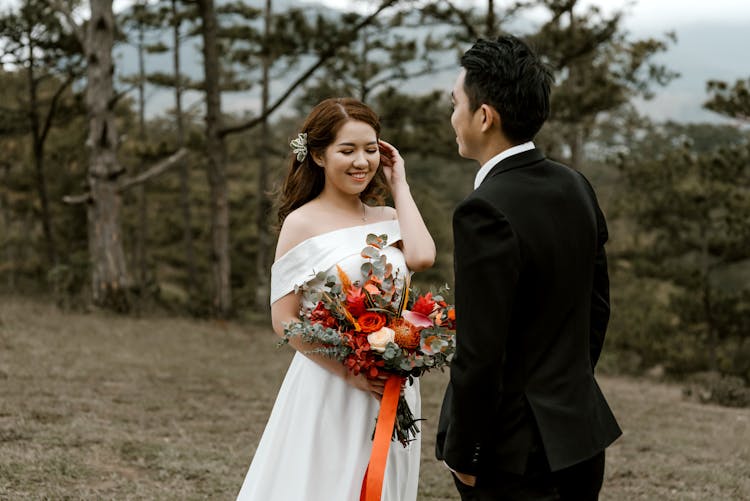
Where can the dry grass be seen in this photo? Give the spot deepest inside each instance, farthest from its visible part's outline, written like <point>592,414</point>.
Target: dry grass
<point>103,407</point>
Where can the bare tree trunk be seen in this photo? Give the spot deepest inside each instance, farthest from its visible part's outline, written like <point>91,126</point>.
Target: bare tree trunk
<point>187,232</point>
<point>41,188</point>
<point>491,23</point>
<point>262,287</point>
<point>216,154</point>
<point>38,151</point>
<point>365,73</point>
<point>141,230</point>
<point>713,335</point>
<point>9,257</point>
<point>109,280</point>
<point>577,71</point>
<point>707,300</point>
<point>576,145</point>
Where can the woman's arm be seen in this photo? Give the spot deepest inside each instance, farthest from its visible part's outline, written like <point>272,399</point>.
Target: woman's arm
<point>418,246</point>
<point>285,311</point>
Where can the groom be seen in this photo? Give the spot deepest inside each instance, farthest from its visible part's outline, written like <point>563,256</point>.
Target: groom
<point>523,417</point>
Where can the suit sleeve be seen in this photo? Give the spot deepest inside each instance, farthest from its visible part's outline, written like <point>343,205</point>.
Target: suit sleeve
<point>599,291</point>
<point>487,264</point>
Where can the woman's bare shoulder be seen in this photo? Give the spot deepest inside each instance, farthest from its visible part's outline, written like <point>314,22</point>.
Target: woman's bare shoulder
<point>295,229</point>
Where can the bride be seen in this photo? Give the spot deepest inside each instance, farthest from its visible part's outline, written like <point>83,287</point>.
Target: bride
<point>317,442</point>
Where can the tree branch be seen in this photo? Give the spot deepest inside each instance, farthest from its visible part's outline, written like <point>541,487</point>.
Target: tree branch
<point>77,29</point>
<point>417,73</point>
<point>588,46</point>
<point>465,21</point>
<point>53,105</point>
<point>129,182</point>
<point>557,13</point>
<point>153,171</point>
<point>119,95</point>
<point>322,58</point>
<point>77,199</point>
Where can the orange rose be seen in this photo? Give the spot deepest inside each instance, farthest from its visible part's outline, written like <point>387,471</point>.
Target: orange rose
<point>451,318</point>
<point>371,321</point>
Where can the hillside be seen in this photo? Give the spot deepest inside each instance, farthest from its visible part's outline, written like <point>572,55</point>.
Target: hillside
<point>96,406</point>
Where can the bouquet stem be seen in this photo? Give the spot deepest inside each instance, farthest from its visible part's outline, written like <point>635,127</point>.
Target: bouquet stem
<point>406,428</point>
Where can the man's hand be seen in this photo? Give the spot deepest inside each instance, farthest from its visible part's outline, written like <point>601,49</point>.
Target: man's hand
<point>464,478</point>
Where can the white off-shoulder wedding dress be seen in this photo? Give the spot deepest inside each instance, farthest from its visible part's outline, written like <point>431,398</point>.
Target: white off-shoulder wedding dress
<point>318,439</point>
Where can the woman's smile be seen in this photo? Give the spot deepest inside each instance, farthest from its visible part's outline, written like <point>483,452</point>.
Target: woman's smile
<point>359,176</point>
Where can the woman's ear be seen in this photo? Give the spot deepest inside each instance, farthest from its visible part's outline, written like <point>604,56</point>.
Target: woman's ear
<point>317,158</point>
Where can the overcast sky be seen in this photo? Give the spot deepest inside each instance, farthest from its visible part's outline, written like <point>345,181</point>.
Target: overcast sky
<point>662,14</point>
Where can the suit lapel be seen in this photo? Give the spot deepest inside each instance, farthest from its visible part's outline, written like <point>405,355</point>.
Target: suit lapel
<point>516,161</point>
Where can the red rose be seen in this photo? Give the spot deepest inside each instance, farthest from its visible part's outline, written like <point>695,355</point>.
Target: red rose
<point>355,301</point>
<point>361,360</point>
<point>320,315</point>
<point>424,304</point>
<point>371,321</point>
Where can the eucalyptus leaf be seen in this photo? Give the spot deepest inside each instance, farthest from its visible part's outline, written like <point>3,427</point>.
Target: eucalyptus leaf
<point>366,269</point>
<point>370,252</point>
<point>377,241</point>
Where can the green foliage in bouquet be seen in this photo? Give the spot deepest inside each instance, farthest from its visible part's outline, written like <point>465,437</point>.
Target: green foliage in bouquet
<point>377,325</point>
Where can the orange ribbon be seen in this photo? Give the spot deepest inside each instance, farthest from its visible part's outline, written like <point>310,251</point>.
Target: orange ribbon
<point>372,485</point>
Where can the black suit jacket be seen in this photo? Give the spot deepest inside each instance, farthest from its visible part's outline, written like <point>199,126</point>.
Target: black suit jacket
<point>532,307</point>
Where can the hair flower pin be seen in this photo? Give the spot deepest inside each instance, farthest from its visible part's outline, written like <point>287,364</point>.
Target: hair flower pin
<point>299,146</point>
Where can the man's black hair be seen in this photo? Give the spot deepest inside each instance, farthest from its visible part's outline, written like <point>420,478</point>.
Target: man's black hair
<point>507,75</point>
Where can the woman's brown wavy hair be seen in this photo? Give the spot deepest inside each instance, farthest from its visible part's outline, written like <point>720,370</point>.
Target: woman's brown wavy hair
<point>305,180</point>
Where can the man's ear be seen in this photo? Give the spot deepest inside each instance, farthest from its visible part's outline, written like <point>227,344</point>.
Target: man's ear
<point>490,117</point>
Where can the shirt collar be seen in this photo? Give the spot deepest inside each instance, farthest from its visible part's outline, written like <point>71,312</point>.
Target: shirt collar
<point>489,164</point>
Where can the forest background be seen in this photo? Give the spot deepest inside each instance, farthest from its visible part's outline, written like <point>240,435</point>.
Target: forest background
<point>141,150</point>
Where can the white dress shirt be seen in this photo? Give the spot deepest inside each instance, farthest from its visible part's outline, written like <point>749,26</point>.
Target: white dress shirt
<point>489,164</point>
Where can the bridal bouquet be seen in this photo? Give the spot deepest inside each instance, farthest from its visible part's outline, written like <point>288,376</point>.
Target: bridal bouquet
<point>375,325</point>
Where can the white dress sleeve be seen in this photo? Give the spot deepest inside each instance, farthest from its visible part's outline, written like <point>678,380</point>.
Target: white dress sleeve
<point>322,252</point>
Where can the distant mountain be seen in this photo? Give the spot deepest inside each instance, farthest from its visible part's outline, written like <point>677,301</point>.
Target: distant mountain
<point>703,51</point>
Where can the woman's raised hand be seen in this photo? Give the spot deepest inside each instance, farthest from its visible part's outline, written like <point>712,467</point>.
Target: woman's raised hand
<point>393,165</point>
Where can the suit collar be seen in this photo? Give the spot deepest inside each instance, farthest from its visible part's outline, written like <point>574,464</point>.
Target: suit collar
<point>506,153</point>
<point>515,162</point>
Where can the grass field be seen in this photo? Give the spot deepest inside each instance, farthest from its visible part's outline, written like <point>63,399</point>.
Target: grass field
<point>96,406</point>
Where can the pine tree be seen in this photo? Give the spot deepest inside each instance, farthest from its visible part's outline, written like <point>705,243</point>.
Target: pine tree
<point>106,179</point>
<point>691,205</point>
<point>33,38</point>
